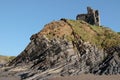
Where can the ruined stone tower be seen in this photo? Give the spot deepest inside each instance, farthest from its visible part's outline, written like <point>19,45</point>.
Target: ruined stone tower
<point>92,17</point>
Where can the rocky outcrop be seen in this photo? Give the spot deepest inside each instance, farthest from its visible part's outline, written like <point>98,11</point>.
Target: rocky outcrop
<point>61,57</point>
<point>58,56</point>
<point>111,63</point>
<point>47,56</point>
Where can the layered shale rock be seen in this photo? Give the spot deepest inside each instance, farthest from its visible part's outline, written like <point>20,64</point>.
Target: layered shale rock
<point>61,49</point>
<point>111,63</point>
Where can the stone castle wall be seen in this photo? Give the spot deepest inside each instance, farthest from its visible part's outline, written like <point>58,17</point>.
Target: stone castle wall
<point>92,17</point>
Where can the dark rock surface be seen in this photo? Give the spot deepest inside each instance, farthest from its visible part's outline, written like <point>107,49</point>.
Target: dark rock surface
<point>111,64</point>
<point>48,56</point>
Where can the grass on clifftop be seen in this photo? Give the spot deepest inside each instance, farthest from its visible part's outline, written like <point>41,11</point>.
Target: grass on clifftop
<point>98,35</point>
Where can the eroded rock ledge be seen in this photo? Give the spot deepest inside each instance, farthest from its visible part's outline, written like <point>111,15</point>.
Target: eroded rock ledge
<point>47,56</point>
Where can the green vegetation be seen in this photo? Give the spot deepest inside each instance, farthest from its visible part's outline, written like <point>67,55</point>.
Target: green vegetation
<point>6,58</point>
<point>118,32</point>
<point>102,37</point>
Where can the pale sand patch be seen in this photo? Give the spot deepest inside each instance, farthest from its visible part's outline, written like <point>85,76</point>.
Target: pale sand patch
<point>9,78</point>
<point>88,77</point>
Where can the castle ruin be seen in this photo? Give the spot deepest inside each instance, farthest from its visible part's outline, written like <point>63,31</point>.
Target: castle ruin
<point>92,17</point>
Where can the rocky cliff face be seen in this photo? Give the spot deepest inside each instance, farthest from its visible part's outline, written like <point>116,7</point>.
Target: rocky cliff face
<point>59,50</point>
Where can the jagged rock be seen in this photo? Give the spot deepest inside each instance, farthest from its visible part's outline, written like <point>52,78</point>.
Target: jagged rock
<point>47,56</point>
<point>110,65</point>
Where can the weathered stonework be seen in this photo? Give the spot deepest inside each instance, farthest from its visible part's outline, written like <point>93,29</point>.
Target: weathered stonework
<point>92,17</point>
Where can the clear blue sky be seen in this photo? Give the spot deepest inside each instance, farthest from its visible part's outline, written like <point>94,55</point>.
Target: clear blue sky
<point>19,19</point>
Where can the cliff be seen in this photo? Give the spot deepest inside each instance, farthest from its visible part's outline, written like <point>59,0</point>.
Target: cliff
<point>69,47</point>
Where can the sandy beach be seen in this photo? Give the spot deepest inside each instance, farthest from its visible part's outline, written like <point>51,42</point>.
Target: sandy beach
<point>89,77</point>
